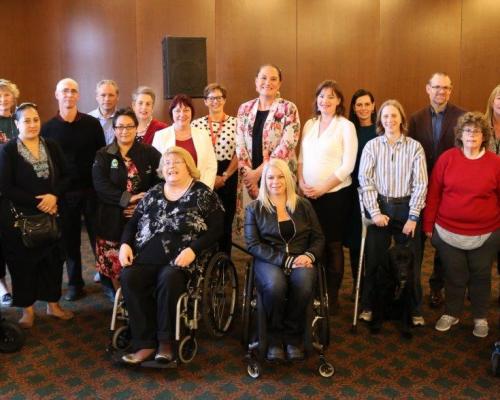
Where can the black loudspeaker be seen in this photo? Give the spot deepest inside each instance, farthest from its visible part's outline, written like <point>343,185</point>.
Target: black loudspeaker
<point>184,66</point>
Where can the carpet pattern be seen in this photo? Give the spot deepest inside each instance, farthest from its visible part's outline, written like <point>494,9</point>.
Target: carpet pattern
<point>67,360</point>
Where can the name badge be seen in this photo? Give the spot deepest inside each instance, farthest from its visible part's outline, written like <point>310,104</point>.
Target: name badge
<point>114,164</point>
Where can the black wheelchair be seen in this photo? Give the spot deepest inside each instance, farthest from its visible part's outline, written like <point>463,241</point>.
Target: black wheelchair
<point>254,336</point>
<point>211,295</point>
<point>12,337</point>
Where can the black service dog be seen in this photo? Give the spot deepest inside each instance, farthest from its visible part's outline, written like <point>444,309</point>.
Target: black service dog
<point>393,290</point>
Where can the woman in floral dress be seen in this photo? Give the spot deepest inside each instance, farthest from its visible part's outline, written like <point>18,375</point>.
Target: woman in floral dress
<point>123,171</point>
<point>267,127</point>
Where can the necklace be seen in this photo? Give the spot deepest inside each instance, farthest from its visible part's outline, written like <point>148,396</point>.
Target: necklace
<point>176,196</point>
<point>215,135</point>
<point>142,132</point>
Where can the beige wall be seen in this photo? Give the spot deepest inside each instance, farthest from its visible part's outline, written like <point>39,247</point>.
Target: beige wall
<point>387,46</point>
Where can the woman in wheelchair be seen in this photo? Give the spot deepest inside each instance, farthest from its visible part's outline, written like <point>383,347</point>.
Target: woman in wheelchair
<point>283,235</point>
<point>174,222</point>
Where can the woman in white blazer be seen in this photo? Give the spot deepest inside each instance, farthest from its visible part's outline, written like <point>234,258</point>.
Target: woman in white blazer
<point>196,141</point>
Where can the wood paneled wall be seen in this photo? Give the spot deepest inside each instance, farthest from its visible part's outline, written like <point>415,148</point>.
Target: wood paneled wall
<point>388,46</point>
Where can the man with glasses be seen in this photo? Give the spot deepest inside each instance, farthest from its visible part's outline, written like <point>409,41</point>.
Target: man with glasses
<point>106,95</point>
<point>433,126</point>
<point>80,136</point>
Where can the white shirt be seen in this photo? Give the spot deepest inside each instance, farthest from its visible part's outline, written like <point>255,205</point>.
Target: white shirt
<point>334,151</point>
<point>207,163</point>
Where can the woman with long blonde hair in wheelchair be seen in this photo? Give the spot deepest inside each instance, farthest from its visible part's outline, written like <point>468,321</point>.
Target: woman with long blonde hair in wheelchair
<point>283,235</point>
<point>174,222</point>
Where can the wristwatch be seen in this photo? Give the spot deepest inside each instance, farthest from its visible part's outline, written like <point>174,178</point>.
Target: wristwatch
<point>412,217</point>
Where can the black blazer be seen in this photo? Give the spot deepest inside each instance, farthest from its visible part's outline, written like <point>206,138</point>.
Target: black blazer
<point>20,185</point>
<point>110,182</point>
<point>420,128</point>
<point>264,240</point>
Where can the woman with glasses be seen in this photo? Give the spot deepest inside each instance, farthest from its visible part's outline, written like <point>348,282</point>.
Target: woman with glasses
<point>462,218</point>
<point>175,221</point>
<point>222,130</point>
<point>9,93</point>
<point>143,104</point>
<point>32,180</point>
<point>123,171</point>
<point>194,140</point>
<point>268,127</point>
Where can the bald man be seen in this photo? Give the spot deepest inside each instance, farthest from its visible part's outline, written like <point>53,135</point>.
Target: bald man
<point>80,136</point>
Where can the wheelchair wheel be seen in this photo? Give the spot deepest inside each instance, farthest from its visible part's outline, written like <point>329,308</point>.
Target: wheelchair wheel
<point>253,370</point>
<point>321,321</point>
<point>326,370</point>
<point>246,308</point>
<point>121,338</point>
<point>12,337</point>
<point>220,294</point>
<point>188,347</point>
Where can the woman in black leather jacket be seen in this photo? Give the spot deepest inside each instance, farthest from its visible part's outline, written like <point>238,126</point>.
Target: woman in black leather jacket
<point>283,234</point>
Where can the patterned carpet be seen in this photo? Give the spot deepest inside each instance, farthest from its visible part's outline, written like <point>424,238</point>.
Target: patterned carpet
<point>67,360</point>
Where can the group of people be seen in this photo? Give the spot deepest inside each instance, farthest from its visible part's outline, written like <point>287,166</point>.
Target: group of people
<point>154,197</point>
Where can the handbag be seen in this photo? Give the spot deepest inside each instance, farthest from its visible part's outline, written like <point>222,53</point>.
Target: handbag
<point>38,229</point>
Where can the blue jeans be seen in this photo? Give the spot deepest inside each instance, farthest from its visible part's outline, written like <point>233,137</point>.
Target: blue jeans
<point>285,300</point>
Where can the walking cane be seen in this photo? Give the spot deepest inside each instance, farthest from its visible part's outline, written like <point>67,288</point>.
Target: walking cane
<point>365,222</point>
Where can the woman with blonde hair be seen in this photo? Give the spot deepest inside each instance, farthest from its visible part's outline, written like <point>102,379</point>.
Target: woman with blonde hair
<point>493,117</point>
<point>9,93</point>
<point>175,221</point>
<point>283,235</point>
<point>143,103</point>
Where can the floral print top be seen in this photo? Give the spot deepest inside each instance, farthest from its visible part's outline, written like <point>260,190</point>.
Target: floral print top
<point>280,134</point>
<point>163,228</point>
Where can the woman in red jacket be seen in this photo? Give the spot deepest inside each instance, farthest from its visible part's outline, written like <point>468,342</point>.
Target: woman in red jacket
<point>462,217</point>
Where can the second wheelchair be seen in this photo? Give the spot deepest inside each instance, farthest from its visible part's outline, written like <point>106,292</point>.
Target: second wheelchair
<point>254,330</point>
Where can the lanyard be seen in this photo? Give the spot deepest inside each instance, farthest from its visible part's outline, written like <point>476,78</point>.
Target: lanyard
<point>216,134</point>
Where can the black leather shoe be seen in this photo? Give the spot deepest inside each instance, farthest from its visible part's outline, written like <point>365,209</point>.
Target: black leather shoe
<point>294,353</point>
<point>74,293</point>
<point>436,299</point>
<point>275,353</point>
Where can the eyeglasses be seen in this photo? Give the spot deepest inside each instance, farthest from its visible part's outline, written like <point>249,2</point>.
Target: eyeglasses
<point>438,88</point>
<point>171,163</point>
<point>472,132</point>
<point>214,98</point>
<point>22,106</point>
<point>125,127</point>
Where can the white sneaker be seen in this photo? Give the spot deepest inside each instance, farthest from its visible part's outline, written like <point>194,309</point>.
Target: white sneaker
<point>418,320</point>
<point>480,328</point>
<point>445,323</point>
<point>366,316</point>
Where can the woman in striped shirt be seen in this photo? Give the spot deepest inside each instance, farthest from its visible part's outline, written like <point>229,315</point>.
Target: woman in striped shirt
<point>393,177</point>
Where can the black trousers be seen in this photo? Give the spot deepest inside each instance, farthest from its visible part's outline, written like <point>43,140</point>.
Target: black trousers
<point>378,241</point>
<point>3,270</point>
<point>227,195</point>
<point>467,269</point>
<point>151,293</point>
<point>73,206</point>
<point>36,278</point>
